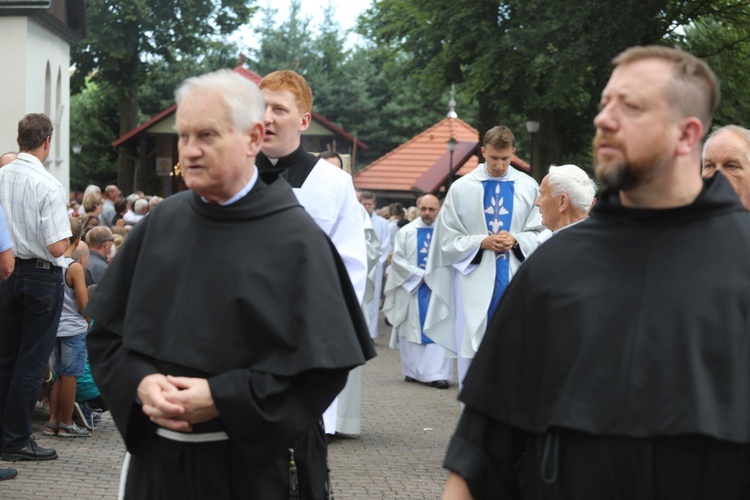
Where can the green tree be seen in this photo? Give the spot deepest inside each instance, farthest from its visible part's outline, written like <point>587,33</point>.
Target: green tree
<point>723,45</point>
<point>368,92</point>
<point>93,124</point>
<point>286,46</point>
<point>124,37</point>
<point>542,59</point>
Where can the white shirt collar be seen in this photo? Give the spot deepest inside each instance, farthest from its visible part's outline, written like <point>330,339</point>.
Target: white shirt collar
<point>242,191</point>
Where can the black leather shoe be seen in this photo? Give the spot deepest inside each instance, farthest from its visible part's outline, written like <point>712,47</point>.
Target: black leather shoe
<point>31,451</point>
<point>440,384</point>
<point>409,379</point>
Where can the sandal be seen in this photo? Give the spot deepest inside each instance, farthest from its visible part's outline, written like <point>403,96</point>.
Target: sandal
<point>71,431</point>
<point>50,425</point>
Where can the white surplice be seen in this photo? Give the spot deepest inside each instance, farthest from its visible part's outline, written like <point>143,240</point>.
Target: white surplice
<point>328,196</point>
<point>349,401</point>
<point>423,362</point>
<point>462,291</point>
<point>382,229</point>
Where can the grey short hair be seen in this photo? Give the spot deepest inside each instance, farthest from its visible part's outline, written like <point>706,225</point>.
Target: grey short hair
<point>574,182</point>
<point>740,131</point>
<point>140,205</point>
<point>132,198</point>
<point>92,188</point>
<point>244,102</point>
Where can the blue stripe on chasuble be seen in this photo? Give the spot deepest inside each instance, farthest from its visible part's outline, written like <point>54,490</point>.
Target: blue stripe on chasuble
<point>424,238</point>
<point>498,213</point>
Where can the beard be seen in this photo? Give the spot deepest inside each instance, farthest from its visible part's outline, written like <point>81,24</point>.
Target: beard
<point>616,176</point>
<point>622,174</point>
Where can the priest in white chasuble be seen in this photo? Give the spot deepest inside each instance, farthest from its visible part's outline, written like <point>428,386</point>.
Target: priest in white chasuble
<point>407,297</point>
<point>487,225</point>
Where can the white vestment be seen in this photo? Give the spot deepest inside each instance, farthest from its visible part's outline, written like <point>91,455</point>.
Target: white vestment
<point>423,362</point>
<point>328,196</point>
<point>462,291</point>
<point>373,305</point>
<point>348,404</point>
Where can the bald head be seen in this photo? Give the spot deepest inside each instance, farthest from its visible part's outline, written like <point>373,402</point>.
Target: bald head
<point>80,253</point>
<point>428,206</point>
<point>112,192</point>
<point>7,158</point>
<point>99,239</point>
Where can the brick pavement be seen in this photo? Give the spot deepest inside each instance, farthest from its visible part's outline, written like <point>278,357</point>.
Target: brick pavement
<point>405,429</point>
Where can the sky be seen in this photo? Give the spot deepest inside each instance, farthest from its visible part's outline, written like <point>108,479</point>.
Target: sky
<point>346,12</point>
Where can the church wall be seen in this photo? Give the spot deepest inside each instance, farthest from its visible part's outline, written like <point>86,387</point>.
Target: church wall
<point>51,96</point>
<point>37,80</point>
<point>13,82</point>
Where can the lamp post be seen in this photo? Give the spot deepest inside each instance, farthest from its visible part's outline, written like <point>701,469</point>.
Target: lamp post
<point>451,148</point>
<point>533,127</point>
<point>77,147</point>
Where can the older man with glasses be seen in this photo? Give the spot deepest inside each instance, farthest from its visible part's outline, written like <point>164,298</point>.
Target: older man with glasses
<point>100,241</point>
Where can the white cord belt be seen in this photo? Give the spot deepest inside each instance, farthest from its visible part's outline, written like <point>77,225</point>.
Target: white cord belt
<point>185,437</point>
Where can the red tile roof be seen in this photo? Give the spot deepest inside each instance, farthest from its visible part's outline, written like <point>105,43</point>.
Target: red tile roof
<point>421,164</point>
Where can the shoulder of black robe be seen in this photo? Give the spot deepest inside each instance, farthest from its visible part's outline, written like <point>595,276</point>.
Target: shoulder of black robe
<point>255,285</point>
<point>294,167</point>
<point>632,323</point>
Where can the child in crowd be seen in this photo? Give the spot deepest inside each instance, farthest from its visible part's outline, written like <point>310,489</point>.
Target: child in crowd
<point>89,404</point>
<point>69,354</point>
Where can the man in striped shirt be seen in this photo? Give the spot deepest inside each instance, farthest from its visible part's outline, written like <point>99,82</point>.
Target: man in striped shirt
<point>31,299</point>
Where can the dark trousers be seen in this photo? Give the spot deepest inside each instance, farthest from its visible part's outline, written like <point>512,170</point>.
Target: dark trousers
<point>30,305</point>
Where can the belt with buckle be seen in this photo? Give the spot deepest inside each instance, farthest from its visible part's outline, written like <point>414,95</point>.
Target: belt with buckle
<point>38,263</point>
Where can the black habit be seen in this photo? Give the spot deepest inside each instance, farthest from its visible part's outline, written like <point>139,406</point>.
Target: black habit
<point>251,296</point>
<point>618,362</point>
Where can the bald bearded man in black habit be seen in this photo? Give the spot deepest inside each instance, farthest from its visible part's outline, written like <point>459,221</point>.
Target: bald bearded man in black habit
<point>227,324</point>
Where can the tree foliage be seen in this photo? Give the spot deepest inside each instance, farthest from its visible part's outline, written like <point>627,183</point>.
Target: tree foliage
<point>542,59</point>
<point>372,94</point>
<point>725,47</point>
<point>511,60</point>
<point>93,124</point>
<point>124,37</point>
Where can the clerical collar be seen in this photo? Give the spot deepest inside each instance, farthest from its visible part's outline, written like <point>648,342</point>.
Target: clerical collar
<point>493,178</point>
<point>294,158</point>
<point>242,192</point>
<point>294,167</point>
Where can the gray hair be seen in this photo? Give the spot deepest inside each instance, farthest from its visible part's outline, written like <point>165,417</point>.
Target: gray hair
<point>140,206</point>
<point>132,198</point>
<point>92,188</point>
<point>740,131</point>
<point>575,183</point>
<point>244,102</point>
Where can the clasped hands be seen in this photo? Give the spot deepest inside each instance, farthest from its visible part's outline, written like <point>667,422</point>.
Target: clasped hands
<point>498,243</point>
<point>176,403</point>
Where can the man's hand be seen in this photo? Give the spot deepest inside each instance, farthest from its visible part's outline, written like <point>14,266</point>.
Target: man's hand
<point>194,395</point>
<point>456,488</point>
<point>153,391</point>
<point>498,243</point>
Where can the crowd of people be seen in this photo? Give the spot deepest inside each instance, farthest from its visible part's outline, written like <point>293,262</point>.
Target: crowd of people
<point>53,256</point>
<point>601,341</point>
